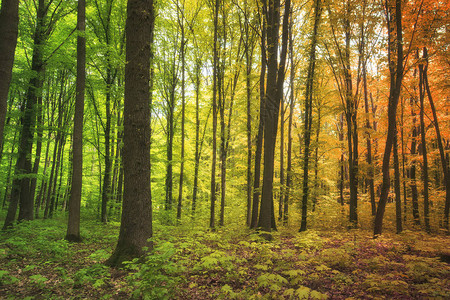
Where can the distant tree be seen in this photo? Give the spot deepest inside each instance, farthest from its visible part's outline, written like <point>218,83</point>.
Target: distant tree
<point>73,226</point>
<point>136,222</point>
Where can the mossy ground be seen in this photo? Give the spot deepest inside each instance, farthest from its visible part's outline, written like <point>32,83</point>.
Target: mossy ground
<point>231,263</point>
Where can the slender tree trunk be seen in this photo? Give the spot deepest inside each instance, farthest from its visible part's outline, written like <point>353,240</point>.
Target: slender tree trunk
<point>405,203</point>
<point>398,200</point>
<point>444,160</point>
<point>183,109</point>
<point>414,138</point>
<point>308,113</point>
<point>426,199</point>
<point>73,225</point>
<point>281,197</point>
<point>394,20</point>
<point>248,87</point>
<point>136,223</point>
<point>370,174</point>
<point>260,133</point>
<point>212,217</point>
<point>291,114</point>
<point>9,22</point>
<point>197,134</point>
<point>316,160</point>
<point>170,135</point>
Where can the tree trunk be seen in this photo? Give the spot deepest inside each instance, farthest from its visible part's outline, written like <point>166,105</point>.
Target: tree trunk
<point>398,200</point>
<point>444,160</point>
<point>248,48</point>
<point>260,133</point>
<point>273,96</point>
<point>9,22</point>
<point>136,222</point>
<point>426,199</point>
<point>21,185</point>
<point>280,202</point>
<point>183,109</point>
<point>308,113</point>
<point>212,217</point>
<point>395,48</point>
<point>197,134</point>
<point>73,225</point>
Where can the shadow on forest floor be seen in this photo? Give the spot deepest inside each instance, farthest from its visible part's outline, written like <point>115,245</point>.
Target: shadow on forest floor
<point>35,262</point>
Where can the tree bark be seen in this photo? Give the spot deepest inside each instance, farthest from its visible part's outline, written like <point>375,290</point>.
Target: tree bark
<point>9,22</point>
<point>308,114</point>
<point>73,225</point>
<point>444,160</point>
<point>426,199</point>
<point>395,45</point>
<point>136,222</point>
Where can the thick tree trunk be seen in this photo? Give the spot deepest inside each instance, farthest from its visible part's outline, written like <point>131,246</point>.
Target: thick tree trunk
<point>274,93</point>
<point>21,185</point>
<point>136,222</point>
<point>73,225</point>
<point>9,22</point>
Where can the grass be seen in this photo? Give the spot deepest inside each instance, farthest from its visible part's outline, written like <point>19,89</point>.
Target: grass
<point>232,263</point>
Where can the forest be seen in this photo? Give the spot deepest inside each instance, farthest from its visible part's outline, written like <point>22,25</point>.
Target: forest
<point>224,149</point>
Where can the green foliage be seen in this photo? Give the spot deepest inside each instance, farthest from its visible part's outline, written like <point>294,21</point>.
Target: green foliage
<point>38,280</point>
<point>6,278</point>
<point>336,258</point>
<point>272,281</point>
<point>156,277</point>
<point>95,275</point>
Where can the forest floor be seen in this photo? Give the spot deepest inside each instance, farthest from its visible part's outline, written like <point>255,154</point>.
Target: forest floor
<point>232,263</point>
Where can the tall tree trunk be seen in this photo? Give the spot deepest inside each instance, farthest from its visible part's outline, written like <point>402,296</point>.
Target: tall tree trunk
<point>198,64</point>
<point>274,93</point>
<point>260,133</point>
<point>170,135</point>
<point>136,222</point>
<point>395,53</point>
<point>444,161</point>
<point>426,199</point>
<point>308,113</point>
<point>414,138</point>
<point>281,197</point>
<point>248,89</point>
<point>291,114</point>
<point>183,109</point>
<point>398,200</point>
<point>9,22</point>
<point>212,216</point>
<point>73,225</point>
<point>405,203</point>
<point>370,174</point>
<point>316,160</point>
<point>21,185</point>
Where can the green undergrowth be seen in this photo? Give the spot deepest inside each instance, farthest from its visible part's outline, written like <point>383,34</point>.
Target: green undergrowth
<point>230,263</point>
